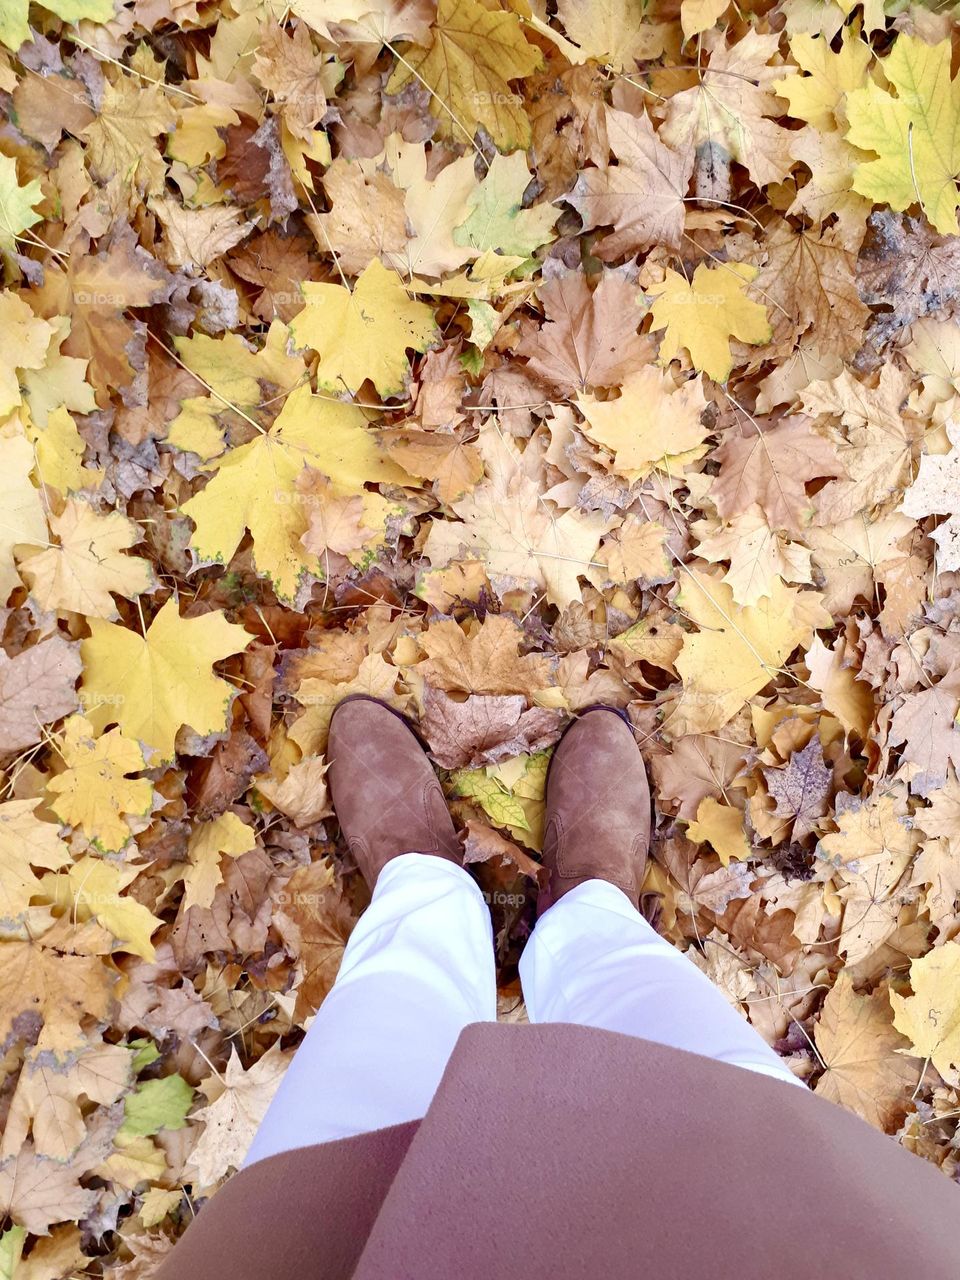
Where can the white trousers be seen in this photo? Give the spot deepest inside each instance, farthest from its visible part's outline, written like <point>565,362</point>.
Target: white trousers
<point>419,968</point>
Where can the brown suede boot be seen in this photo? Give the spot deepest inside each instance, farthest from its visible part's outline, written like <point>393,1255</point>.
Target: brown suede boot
<point>598,807</point>
<point>386,796</point>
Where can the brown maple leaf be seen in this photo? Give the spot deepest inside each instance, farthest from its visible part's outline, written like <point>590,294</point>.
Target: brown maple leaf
<point>36,687</point>
<point>588,339</point>
<point>807,282</point>
<point>924,725</point>
<point>801,788</point>
<point>485,729</point>
<point>488,661</point>
<point>95,290</point>
<point>769,462</point>
<point>906,267</point>
<point>641,197</point>
<point>276,265</point>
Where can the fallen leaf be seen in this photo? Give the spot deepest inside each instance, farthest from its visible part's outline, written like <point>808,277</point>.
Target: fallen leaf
<point>641,196</point>
<point>934,492</point>
<point>486,661</point>
<point>89,563</point>
<point>862,1052</point>
<point>226,834</point>
<point>738,651</point>
<point>912,134</point>
<point>653,423</point>
<point>473,55</point>
<point>930,1017</point>
<point>152,685</point>
<point>704,314</point>
<point>721,826</point>
<point>36,687</point>
<point>484,729</point>
<point>93,793</point>
<point>364,333</point>
<point>801,789</point>
<point>925,727</point>
<point>24,520</point>
<point>230,1122</point>
<point>589,339</point>
<point>769,465</point>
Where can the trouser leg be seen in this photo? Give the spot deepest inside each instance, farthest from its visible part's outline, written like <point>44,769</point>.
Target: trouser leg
<point>594,960</point>
<point>417,969</point>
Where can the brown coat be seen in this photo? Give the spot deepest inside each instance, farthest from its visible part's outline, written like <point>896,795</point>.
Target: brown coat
<point>553,1152</point>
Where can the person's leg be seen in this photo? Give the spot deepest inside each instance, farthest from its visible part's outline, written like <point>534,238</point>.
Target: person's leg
<point>417,969</point>
<point>594,960</point>
<point>419,964</point>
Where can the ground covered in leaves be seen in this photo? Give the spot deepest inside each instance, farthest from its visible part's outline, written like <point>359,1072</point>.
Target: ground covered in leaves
<point>495,359</point>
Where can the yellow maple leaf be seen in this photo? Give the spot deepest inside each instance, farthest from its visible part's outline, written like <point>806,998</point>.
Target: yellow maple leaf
<point>16,202</point>
<point>61,989</point>
<point>720,825</point>
<point>835,679</point>
<point>120,141</point>
<point>157,1204</point>
<point>930,1018</point>
<point>225,834</point>
<point>153,685</point>
<point>819,94</point>
<point>255,486</point>
<point>867,856</point>
<point>916,135</point>
<point>60,381</point>
<point>507,524</point>
<point>25,842</point>
<point>700,15</point>
<point>652,423</point>
<point>196,428</point>
<point>496,219</point>
<point>232,1120</point>
<point>703,314</point>
<point>93,793</point>
<point>227,365</point>
<point>615,32</point>
<point>738,649</point>
<point>375,677</point>
<point>14,28</point>
<point>92,890</point>
<point>635,551</point>
<point>24,339</point>
<point>729,107</point>
<point>363,333</point>
<point>858,1044</point>
<point>434,208</point>
<point>473,55</point>
<point>197,137</point>
<point>47,1097</point>
<point>23,515</point>
<point>89,564</point>
<point>758,555</point>
<point>60,449</point>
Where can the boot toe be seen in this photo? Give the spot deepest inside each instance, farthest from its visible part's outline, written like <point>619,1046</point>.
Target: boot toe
<point>385,793</point>
<point>598,805</point>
